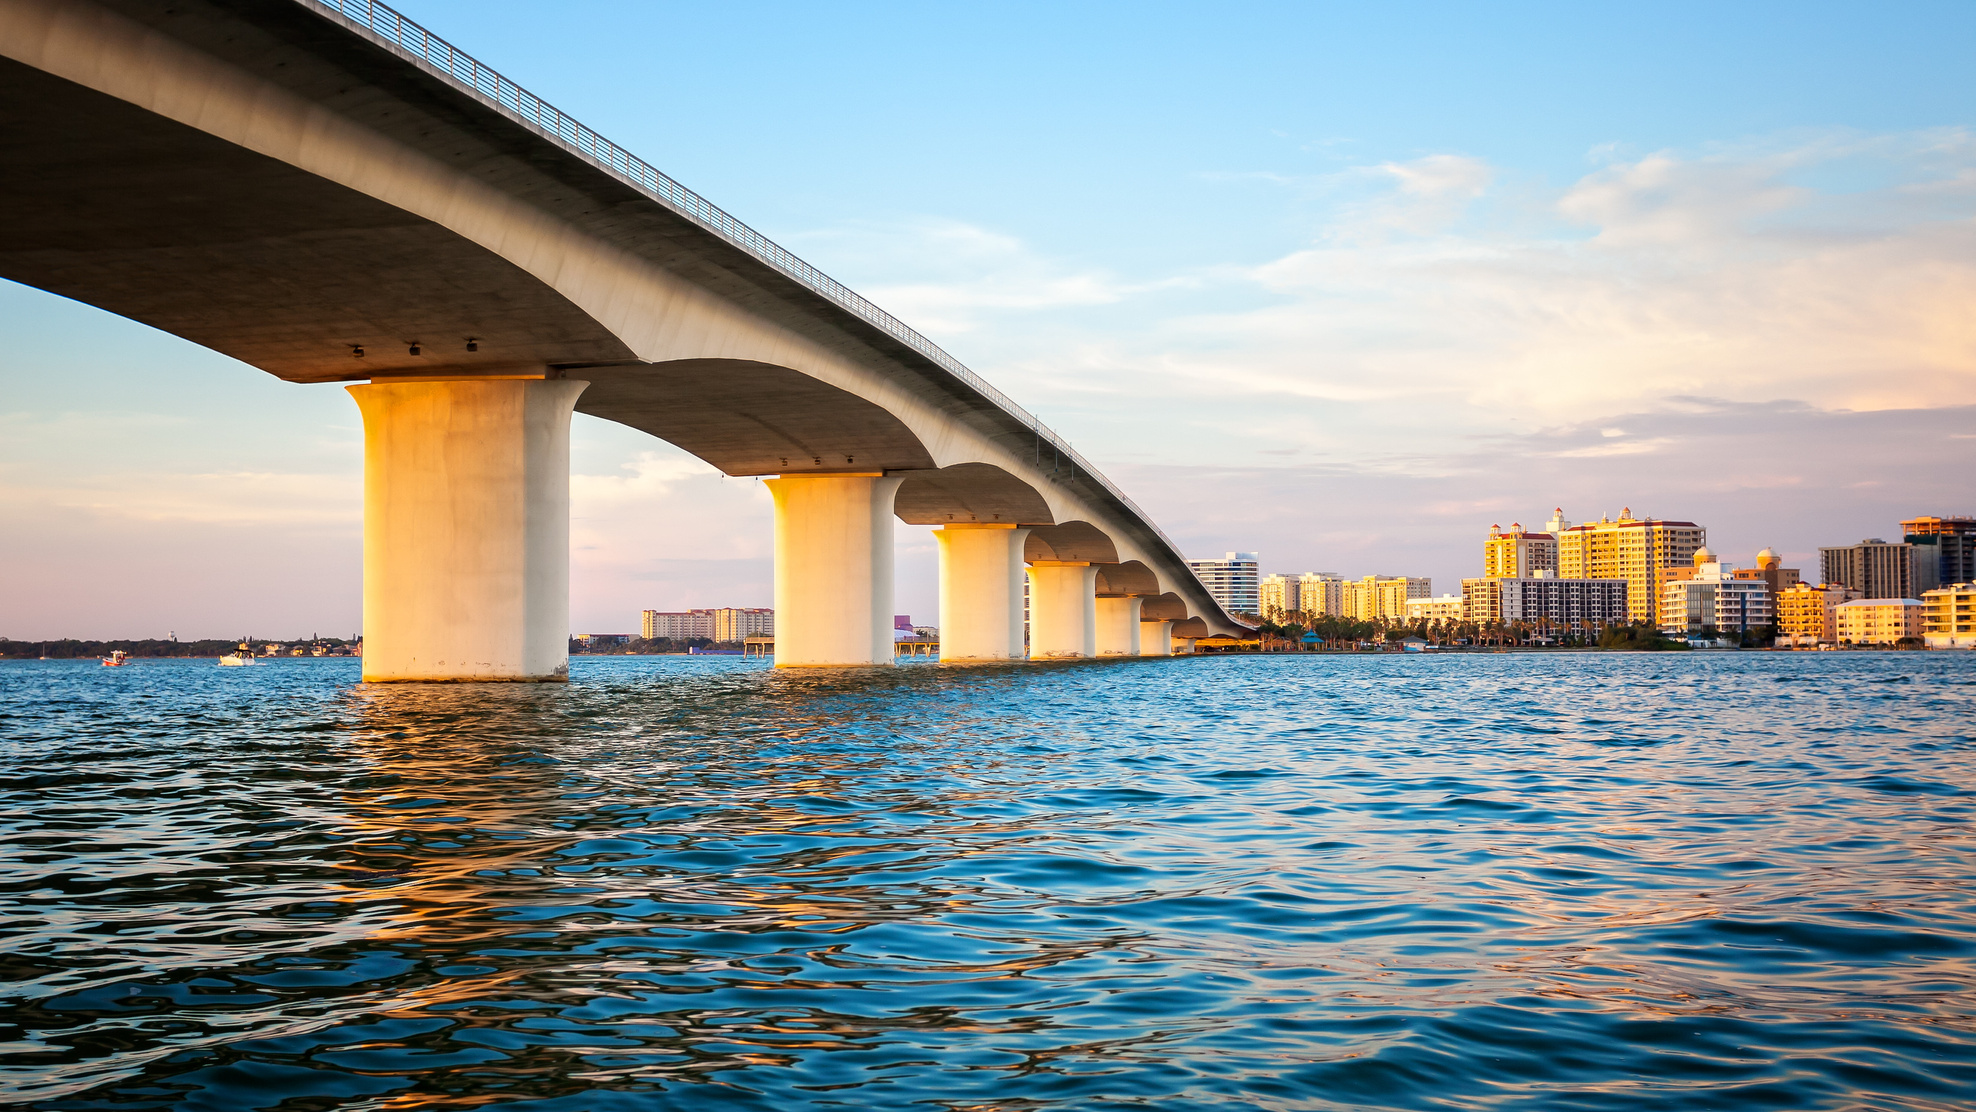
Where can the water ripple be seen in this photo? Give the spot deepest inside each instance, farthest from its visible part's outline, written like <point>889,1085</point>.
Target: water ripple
<point>1481,882</point>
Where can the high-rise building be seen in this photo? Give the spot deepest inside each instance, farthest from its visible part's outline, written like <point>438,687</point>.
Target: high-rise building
<point>1714,597</point>
<point>740,623</point>
<point>1948,617</point>
<point>1954,542</point>
<point>1517,554</point>
<point>679,625</point>
<point>1878,569</point>
<point>727,623</point>
<point>1880,621</point>
<point>1804,612</point>
<point>1276,596</point>
<point>1232,580</point>
<point>1381,596</point>
<point>1638,550</point>
<point>1321,593</point>
<point>1561,604</point>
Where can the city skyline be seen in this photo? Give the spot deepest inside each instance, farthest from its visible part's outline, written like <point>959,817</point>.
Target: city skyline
<point>1725,290</point>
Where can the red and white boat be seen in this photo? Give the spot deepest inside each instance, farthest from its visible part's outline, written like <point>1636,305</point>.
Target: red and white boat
<point>117,659</point>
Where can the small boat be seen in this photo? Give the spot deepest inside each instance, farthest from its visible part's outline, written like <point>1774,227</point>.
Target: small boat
<point>241,657</point>
<point>117,659</point>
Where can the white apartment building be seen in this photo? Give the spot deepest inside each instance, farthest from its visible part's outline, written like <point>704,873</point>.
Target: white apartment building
<point>1714,597</point>
<point>1442,608</point>
<point>1545,600</point>
<point>1235,581</point>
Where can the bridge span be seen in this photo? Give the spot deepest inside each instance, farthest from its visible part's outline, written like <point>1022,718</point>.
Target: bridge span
<point>326,191</point>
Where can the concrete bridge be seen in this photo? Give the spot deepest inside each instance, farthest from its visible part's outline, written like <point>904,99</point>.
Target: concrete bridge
<point>324,190</point>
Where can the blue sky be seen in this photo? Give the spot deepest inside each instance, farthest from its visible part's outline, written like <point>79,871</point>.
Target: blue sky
<point>1343,284</point>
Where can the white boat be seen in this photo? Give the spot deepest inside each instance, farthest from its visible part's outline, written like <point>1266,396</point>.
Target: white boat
<point>117,659</point>
<point>241,657</point>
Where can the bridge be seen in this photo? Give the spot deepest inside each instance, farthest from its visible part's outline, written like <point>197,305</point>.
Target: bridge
<point>328,192</point>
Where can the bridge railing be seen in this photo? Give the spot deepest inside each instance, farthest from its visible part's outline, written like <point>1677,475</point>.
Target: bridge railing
<point>442,58</point>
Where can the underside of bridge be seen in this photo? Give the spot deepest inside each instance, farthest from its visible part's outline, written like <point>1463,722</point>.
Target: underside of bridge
<point>254,177</point>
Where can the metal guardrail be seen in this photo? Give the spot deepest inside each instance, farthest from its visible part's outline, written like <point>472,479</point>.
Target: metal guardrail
<point>439,57</point>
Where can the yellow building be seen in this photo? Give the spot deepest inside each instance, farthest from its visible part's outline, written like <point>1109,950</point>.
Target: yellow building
<point>1948,617</point>
<point>1383,596</point>
<point>1878,621</point>
<point>1639,550</point>
<point>1276,595</point>
<point>1517,554</point>
<point>1321,593</point>
<point>1805,613</point>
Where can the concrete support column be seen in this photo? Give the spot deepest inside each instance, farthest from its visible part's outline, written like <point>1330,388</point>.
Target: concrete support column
<point>833,569</point>
<point>466,529</point>
<point>1118,626</point>
<point>1182,645</point>
<point>1063,613</point>
<point>1155,638</point>
<point>980,591</point>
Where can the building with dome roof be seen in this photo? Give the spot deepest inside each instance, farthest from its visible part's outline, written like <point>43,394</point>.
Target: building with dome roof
<point>1714,595</point>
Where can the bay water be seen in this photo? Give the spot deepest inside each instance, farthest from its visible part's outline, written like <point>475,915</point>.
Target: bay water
<point>1489,881</point>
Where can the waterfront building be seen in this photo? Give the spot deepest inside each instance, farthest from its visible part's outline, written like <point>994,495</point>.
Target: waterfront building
<point>1276,596</point>
<point>1948,617</point>
<point>1804,613</point>
<point>1879,621</point>
<point>604,640</point>
<point>1321,594</point>
<point>1770,568</point>
<point>721,623</point>
<point>1639,550</point>
<point>1953,540</point>
<point>1233,580</point>
<point>740,623</point>
<point>1518,554</point>
<point>1441,608</point>
<point>678,625</point>
<point>1878,569</point>
<point>1382,596</point>
<point>1545,601</point>
<point>1714,597</point>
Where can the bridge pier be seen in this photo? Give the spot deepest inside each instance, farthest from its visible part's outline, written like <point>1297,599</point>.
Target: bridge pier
<point>1063,616</point>
<point>466,529</point>
<point>1118,625</point>
<point>833,569</point>
<point>980,591</point>
<point>1156,638</point>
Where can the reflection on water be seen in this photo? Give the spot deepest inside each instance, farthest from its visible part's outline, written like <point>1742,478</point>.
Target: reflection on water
<point>1591,881</point>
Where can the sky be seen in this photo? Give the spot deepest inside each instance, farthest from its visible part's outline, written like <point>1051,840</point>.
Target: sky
<point>1340,284</point>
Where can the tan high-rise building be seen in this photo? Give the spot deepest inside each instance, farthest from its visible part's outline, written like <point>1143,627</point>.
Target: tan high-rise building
<point>1638,550</point>
<point>733,623</point>
<point>1383,596</point>
<point>1805,613</point>
<point>1276,595</point>
<point>1517,554</point>
<point>1321,593</point>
